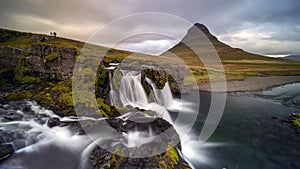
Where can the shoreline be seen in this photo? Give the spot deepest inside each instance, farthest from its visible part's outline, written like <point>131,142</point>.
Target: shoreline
<point>251,84</point>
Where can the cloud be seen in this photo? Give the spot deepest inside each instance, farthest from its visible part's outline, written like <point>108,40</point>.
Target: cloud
<point>152,47</point>
<point>266,39</point>
<point>233,21</point>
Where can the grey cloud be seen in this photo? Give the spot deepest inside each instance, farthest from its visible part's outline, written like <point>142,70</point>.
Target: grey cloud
<point>79,19</point>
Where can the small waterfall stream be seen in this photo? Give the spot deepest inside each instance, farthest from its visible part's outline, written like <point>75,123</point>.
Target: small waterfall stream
<point>112,93</point>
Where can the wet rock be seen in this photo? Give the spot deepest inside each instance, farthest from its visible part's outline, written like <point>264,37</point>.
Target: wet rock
<point>284,121</point>
<point>19,143</point>
<point>2,140</point>
<point>101,158</point>
<point>5,151</point>
<point>53,121</point>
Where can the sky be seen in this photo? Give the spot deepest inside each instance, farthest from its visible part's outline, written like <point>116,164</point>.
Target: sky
<point>267,27</point>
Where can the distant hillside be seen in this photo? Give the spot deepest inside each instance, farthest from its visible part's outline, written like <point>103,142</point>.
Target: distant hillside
<point>237,63</point>
<point>43,55</point>
<point>292,57</point>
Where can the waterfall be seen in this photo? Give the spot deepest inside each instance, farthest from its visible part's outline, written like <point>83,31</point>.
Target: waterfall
<point>112,93</point>
<point>40,141</point>
<point>156,92</point>
<point>132,92</point>
<point>167,96</point>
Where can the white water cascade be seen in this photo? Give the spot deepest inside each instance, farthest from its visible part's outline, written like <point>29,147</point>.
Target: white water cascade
<point>34,140</point>
<point>112,93</point>
<point>132,92</point>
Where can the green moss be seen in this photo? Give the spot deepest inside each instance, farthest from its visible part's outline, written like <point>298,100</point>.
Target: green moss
<point>172,155</point>
<point>171,159</point>
<point>44,97</point>
<point>104,109</point>
<point>158,78</point>
<point>58,96</point>
<point>101,75</point>
<point>21,78</point>
<point>21,95</point>
<point>52,56</point>
<point>296,120</point>
<point>116,160</point>
<point>117,80</point>
<point>297,123</point>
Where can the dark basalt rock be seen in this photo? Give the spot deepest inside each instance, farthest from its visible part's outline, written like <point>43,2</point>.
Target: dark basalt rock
<point>9,56</point>
<point>6,150</point>
<point>34,59</point>
<point>58,68</point>
<point>101,158</point>
<point>53,121</point>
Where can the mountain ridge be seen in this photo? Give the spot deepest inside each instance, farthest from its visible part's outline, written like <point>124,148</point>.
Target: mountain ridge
<point>224,51</point>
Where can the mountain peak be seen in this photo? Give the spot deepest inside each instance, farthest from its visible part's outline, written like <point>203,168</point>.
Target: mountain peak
<point>194,32</point>
<point>200,40</point>
<point>202,27</point>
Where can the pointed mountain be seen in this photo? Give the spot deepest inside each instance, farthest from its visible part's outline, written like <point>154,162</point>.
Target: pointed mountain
<point>199,40</point>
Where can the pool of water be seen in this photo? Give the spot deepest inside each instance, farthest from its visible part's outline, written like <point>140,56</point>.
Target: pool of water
<point>251,131</point>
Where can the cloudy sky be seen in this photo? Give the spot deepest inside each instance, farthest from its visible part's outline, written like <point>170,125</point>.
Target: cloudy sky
<point>268,27</point>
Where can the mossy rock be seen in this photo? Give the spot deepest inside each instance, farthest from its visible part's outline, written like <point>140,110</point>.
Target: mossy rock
<point>52,56</point>
<point>21,77</point>
<point>296,120</point>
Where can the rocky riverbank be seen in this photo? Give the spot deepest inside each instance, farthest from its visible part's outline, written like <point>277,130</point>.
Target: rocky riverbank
<point>42,70</point>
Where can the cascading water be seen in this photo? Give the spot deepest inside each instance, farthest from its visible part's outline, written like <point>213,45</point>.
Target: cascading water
<point>132,92</point>
<point>156,92</point>
<point>33,140</point>
<point>112,93</point>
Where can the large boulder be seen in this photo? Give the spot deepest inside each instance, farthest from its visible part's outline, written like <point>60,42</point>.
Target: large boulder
<point>51,63</point>
<point>168,158</point>
<point>10,56</point>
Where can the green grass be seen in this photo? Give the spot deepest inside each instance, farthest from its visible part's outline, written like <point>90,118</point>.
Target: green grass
<point>237,63</point>
<point>19,42</point>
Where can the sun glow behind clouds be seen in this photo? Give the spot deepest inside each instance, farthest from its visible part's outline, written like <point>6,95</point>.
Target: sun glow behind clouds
<point>151,47</point>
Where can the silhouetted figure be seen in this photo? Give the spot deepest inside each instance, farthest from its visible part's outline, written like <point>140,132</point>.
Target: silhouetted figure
<point>51,34</point>
<point>54,34</point>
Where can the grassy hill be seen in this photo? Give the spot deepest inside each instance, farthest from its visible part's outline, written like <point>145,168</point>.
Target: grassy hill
<point>237,63</point>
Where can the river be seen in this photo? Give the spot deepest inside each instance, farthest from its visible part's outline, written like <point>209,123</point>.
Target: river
<point>250,134</point>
